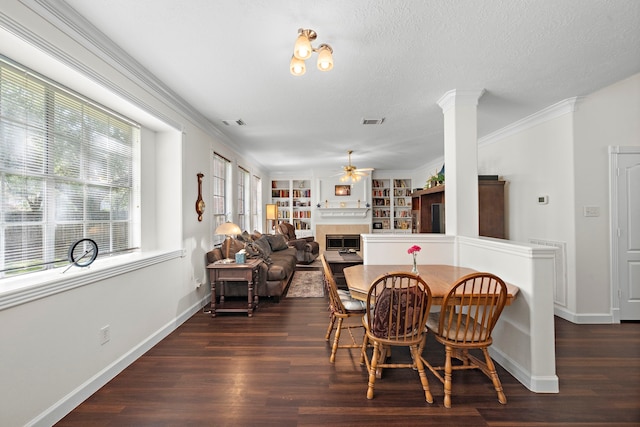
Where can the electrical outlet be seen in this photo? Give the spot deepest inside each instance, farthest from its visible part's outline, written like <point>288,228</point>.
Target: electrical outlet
<point>105,334</point>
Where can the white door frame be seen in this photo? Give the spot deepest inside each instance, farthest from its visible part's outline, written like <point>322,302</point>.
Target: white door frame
<point>614,151</point>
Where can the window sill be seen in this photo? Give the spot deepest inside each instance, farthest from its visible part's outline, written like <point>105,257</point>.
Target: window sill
<point>30,287</point>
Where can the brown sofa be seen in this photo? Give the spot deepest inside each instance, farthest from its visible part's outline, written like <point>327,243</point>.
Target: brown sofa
<point>307,249</point>
<point>274,273</point>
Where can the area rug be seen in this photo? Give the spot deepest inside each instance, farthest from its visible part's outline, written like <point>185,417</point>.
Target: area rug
<point>306,284</point>
<point>316,264</point>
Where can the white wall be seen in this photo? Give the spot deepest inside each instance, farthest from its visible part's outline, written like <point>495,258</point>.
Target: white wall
<point>561,152</point>
<point>524,336</point>
<point>51,355</point>
<point>538,161</point>
<point>607,117</point>
<point>50,359</point>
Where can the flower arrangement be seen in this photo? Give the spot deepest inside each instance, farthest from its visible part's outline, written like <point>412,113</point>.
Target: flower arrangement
<point>413,250</point>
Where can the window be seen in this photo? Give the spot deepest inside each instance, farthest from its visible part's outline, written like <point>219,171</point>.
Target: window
<point>221,168</point>
<point>256,203</point>
<point>244,210</point>
<point>68,170</point>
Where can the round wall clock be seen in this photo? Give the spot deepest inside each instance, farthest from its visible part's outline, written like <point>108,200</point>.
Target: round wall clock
<point>83,252</point>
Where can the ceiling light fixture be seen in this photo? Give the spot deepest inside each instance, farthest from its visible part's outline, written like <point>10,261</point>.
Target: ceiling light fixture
<point>351,173</point>
<point>302,51</point>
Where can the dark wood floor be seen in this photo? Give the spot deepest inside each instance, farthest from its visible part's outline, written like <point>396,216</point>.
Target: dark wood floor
<point>273,370</point>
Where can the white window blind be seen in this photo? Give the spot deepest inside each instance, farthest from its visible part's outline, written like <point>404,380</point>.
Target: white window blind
<point>221,168</point>
<point>68,170</point>
<point>256,203</point>
<point>243,199</point>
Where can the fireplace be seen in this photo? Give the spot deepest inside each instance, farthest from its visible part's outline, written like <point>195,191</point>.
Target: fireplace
<point>323,230</point>
<point>340,242</point>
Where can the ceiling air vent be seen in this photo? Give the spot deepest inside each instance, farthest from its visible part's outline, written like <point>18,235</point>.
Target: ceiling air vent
<point>372,121</point>
<point>237,122</point>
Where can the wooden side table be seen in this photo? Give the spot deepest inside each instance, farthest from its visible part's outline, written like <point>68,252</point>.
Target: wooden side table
<point>233,273</point>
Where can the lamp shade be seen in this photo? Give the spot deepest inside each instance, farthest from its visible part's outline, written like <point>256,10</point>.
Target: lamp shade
<point>297,66</point>
<point>325,58</point>
<point>228,229</point>
<point>302,49</point>
<point>271,212</point>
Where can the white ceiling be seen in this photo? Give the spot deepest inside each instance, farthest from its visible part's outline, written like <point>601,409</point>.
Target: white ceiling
<point>229,59</point>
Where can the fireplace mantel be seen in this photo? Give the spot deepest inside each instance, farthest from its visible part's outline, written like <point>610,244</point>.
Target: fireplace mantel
<point>343,212</point>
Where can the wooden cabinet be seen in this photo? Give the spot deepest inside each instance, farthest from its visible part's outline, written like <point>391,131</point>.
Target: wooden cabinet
<point>428,209</point>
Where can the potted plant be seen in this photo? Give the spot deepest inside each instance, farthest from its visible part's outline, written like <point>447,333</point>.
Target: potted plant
<point>435,180</point>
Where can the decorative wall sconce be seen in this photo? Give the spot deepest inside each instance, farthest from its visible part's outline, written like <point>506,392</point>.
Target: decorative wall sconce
<point>302,51</point>
<point>199,201</point>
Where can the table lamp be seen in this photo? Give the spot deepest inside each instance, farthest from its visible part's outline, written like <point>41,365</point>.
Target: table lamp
<point>271,214</point>
<point>228,229</point>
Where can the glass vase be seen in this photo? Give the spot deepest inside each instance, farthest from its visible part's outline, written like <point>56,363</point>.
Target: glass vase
<point>414,269</point>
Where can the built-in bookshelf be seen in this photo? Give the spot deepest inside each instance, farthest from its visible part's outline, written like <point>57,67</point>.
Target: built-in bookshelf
<point>301,204</point>
<point>381,204</point>
<point>281,197</point>
<point>402,204</point>
<point>391,205</point>
<point>293,199</point>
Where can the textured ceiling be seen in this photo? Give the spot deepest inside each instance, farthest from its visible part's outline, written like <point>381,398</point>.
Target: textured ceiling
<point>229,59</point>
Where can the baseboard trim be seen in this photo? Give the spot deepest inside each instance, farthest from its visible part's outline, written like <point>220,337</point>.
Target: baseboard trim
<point>67,404</point>
<point>585,319</point>
<point>537,384</point>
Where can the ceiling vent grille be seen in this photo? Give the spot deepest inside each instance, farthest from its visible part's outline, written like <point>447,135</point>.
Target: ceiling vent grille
<point>237,122</point>
<point>372,121</point>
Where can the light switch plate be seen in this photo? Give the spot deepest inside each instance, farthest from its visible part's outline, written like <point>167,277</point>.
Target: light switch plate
<point>591,211</point>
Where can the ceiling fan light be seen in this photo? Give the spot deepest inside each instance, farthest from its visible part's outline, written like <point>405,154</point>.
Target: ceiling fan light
<point>325,57</point>
<point>297,66</point>
<point>302,49</point>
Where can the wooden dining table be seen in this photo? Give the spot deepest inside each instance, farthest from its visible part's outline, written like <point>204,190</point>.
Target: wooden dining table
<point>439,277</point>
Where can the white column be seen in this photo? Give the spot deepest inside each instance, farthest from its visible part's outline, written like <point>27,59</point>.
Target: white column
<point>461,161</point>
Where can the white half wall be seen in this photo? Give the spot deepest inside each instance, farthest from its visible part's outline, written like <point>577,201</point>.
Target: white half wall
<point>524,339</point>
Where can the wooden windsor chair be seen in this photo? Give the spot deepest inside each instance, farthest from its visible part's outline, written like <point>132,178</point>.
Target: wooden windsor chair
<point>468,315</point>
<point>342,307</point>
<point>397,307</point>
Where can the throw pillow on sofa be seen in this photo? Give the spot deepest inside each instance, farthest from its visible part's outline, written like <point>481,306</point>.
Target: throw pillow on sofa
<point>263,243</point>
<point>277,242</point>
<point>255,251</point>
<point>245,237</point>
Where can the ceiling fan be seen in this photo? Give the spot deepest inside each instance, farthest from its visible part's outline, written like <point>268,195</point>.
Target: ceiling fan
<point>352,173</point>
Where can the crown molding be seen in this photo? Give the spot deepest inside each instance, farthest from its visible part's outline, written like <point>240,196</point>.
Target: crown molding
<point>59,14</point>
<point>569,105</point>
<point>458,96</point>
<point>54,13</point>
